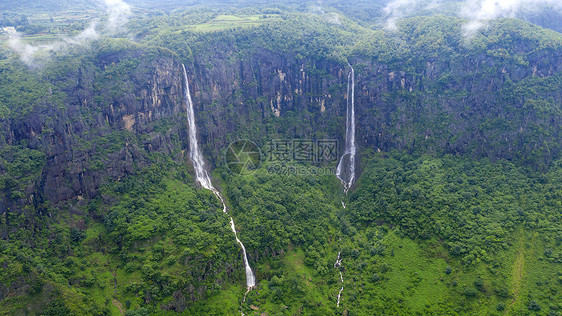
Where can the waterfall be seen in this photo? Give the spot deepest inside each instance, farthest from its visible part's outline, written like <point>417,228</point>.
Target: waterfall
<point>202,176</point>
<point>337,266</point>
<point>346,167</point>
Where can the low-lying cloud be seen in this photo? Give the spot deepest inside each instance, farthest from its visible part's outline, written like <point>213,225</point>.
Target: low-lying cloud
<point>28,52</point>
<point>330,17</point>
<point>398,9</point>
<point>117,11</point>
<point>89,34</point>
<point>25,51</point>
<point>480,11</point>
<point>395,11</point>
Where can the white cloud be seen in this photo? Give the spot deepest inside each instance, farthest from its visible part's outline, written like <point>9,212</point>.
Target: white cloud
<point>315,9</point>
<point>479,11</point>
<point>398,9</point>
<point>88,34</point>
<point>25,51</point>
<point>333,18</point>
<point>28,52</point>
<point>119,12</point>
<point>330,17</point>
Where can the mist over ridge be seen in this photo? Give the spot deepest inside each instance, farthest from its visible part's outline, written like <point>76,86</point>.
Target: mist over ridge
<point>382,14</point>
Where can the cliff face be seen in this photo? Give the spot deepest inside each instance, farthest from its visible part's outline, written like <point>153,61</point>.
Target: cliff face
<point>266,93</point>
<point>467,106</point>
<point>99,134</point>
<point>477,105</point>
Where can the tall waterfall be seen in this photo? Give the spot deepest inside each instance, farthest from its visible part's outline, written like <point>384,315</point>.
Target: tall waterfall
<point>202,176</point>
<point>346,167</point>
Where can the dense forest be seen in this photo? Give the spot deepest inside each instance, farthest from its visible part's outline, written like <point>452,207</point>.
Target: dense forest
<point>457,207</point>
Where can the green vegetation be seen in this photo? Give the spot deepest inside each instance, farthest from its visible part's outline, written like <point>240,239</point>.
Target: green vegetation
<point>493,224</point>
<point>458,212</point>
<point>161,236</point>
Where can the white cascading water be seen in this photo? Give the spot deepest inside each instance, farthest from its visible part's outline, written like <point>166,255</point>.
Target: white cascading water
<point>346,167</point>
<point>337,266</point>
<point>202,176</point>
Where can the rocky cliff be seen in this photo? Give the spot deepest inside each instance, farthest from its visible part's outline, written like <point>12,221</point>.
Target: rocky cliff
<point>111,119</point>
<point>122,106</point>
<point>477,104</point>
